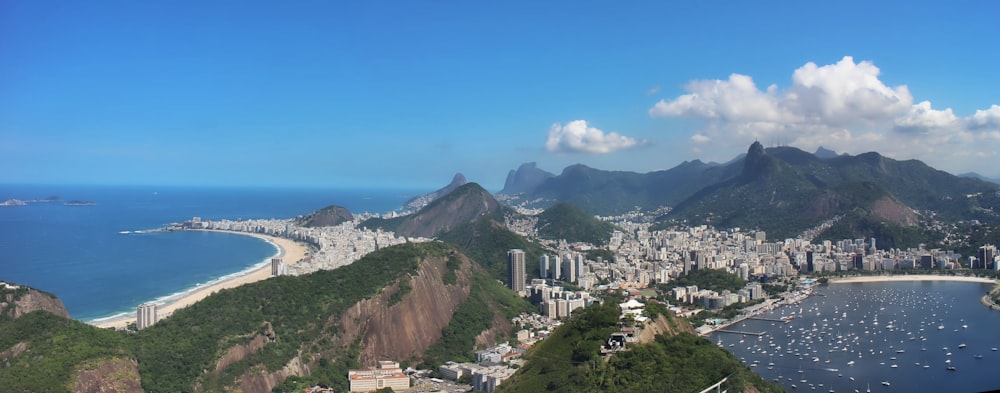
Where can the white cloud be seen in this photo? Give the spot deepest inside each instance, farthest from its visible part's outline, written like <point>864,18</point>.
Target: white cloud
<point>736,98</point>
<point>700,138</point>
<point>577,137</point>
<point>921,118</point>
<point>843,106</point>
<point>988,119</point>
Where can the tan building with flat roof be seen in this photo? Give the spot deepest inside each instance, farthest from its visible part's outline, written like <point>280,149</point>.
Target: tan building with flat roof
<point>386,375</point>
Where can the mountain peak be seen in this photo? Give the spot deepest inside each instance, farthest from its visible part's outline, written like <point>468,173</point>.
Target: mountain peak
<point>756,160</point>
<point>458,180</point>
<point>822,152</point>
<point>326,217</point>
<point>464,204</point>
<point>423,200</point>
<point>525,179</point>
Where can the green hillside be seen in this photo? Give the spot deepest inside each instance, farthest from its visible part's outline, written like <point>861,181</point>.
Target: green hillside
<point>785,191</point>
<point>487,241</point>
<point>569,361</point>
<point>295,315</point>
<point>565,221</point>
<point>54,347</point>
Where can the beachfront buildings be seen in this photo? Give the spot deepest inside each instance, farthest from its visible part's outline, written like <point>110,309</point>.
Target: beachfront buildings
<point>515,270</point>
<point>386,375</point>
<point>278,267</point>
<point>145,315</point>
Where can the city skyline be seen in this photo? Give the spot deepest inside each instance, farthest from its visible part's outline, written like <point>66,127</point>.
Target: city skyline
<point>405,95</point>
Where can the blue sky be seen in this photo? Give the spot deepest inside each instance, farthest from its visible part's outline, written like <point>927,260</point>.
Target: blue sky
<point>405,94</point>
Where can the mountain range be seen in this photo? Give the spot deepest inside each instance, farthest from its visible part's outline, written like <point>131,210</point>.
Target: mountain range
<point>782,190</point>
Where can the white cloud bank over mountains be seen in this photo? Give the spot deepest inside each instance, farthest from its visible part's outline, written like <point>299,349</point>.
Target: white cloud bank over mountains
<point>577,137</point>
<point>844,106</point>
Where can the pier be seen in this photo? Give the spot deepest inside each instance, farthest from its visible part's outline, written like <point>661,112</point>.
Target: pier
<point>741,332</point>
<point>782,320</point>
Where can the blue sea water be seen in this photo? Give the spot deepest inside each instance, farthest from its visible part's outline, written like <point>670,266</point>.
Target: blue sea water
<point>79,254</point>
<point>859,331</point>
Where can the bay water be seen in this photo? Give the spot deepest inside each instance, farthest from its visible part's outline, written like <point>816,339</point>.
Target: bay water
<point>80,254</point>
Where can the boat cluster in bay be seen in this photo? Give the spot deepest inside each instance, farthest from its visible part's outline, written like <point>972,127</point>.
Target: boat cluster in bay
<point>849,339</point>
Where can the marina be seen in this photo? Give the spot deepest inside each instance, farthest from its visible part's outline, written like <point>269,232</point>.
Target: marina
<point>885,334</point>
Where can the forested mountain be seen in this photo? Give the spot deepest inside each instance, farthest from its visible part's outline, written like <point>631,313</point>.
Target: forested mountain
<point>463,205</point>
<point>784,191</point>
<point>564,221</point>
<point>326,217</point>
<point>671,360</point>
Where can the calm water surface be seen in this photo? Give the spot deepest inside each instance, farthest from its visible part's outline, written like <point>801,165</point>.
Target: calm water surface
<point>848,337</point>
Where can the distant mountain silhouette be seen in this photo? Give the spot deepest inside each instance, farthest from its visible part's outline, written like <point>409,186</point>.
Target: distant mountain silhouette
<point>822,152</point>
<point>603,192</point>
<point>526,178</point>
<point>422,200</point>
<point>974,175</point>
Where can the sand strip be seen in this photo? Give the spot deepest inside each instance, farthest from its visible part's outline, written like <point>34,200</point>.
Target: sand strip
<point>289,251</point>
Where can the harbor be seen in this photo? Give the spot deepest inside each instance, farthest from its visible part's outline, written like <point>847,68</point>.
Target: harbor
<point>903,336</point>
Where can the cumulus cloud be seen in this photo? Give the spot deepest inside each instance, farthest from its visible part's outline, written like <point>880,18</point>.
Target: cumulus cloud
<point>921,118</point>
<point>577,137</point>
<point>844,106</point>
<point>986,119</point>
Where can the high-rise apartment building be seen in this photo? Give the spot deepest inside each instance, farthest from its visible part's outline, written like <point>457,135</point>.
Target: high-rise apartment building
<point>278,268</point>
<point>569,269</point>
<point>515,270</point>
<point>543,267</point>
<point>145,315</point>
<point>985,256</point>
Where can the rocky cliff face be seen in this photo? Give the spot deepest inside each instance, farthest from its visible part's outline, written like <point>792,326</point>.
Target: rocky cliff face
<point>526,178</point>
<point>407,328</point>
<point>400,331</point>
<point>15,303</point>
<point>108,376</point>
<point>663,325</point>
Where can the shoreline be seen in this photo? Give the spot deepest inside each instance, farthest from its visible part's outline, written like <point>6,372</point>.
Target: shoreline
<point>288,250</point>
<point>909,277</point>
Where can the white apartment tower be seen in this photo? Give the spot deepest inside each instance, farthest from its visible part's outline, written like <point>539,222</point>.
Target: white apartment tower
<point>543,267</point>
<point>145,315</point>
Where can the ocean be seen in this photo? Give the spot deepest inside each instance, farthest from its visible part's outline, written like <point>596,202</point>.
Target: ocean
<point>79,254</point>
<point>849,337</point>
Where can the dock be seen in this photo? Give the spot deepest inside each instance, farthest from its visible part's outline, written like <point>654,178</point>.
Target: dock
<point>741,332</point>
<point>782,320</point>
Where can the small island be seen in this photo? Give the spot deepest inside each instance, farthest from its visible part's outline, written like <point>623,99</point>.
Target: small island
<point>80,203</point>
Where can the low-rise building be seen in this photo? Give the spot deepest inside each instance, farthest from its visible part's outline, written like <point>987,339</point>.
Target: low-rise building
<point>386,375</point>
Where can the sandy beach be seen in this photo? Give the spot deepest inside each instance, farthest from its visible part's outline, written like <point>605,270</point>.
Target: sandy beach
<point>909,277</point>
<point>289,251</point>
